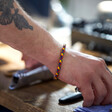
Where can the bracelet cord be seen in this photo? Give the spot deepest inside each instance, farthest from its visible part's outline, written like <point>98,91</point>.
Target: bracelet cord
<point>60,62</point>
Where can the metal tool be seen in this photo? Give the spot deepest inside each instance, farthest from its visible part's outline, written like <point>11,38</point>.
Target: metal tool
<point>72,98</point>
<point>28,77</point>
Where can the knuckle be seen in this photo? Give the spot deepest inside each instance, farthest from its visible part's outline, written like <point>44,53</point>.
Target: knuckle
<point>102,61</point>
<point>99,63</point>
<point>89,73</point>
<point>102,94</point>
<point>89,98</point>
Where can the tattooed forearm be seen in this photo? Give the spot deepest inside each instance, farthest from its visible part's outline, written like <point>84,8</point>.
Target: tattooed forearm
<point>9,14</point>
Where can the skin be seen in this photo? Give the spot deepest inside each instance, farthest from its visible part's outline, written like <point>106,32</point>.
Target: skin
<point>86,72</point>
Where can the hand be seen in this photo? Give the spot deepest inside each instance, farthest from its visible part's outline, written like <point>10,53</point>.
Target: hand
<point>90,75</point>
<point>30,62</point>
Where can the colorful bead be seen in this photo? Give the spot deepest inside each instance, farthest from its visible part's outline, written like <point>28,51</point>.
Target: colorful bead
<point>57,70</point>
<point>60,62</point>
<point>63,47</point>
<point>56,73</point>
<point>61,54</point>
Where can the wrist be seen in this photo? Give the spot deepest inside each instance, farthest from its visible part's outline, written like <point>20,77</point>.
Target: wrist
<point>52,58</point>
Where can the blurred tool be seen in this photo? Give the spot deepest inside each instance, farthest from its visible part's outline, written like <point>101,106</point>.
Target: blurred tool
<point>97,35</point>
<point>29,77</point>
<point>71,98</point>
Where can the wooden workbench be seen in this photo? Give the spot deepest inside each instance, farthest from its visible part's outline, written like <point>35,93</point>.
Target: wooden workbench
<point>42,97</point>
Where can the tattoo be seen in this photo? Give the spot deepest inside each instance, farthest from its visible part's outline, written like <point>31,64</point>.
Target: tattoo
<point>9,14</point>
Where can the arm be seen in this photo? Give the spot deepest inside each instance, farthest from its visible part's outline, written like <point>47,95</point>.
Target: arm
<point>88,73</point>
<point>18,30</point>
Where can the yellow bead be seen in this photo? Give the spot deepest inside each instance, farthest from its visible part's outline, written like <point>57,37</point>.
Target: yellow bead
<point>60,61</point>
<point>63,48</point>
<point>58,67</point>
<point>61,54</point>
<point>56,73</point>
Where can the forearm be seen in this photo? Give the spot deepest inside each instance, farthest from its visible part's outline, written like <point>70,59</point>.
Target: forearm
<point>22,33</point>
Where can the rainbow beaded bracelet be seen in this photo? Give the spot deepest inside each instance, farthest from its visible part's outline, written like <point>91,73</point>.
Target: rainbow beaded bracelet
<point>60,62</point>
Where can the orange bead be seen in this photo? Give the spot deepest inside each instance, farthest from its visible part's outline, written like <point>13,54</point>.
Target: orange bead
<point>60,61</point>
<point>56,73</point>
<point>61,54</point>
<point>58,67</point>
<point>63,48</point>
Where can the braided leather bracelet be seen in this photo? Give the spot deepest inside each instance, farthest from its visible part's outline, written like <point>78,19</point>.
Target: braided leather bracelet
<point>60,62</point>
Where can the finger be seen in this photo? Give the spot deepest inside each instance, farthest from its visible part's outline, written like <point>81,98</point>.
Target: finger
<point>88,95</point>
<point>108,82</point>
<point>108,70</point>
<point>100,91</point>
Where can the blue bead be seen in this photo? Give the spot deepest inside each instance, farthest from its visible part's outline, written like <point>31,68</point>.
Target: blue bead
<point>59,64</point>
